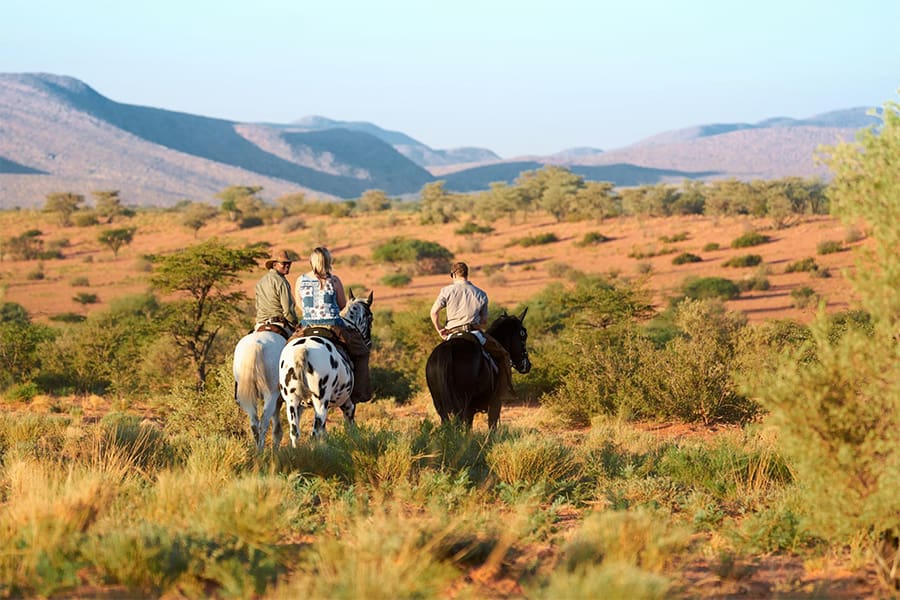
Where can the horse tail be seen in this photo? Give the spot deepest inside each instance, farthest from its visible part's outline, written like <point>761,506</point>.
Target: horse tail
<point>250,372</point>
<point>299,365</point>
<point>438,371</point>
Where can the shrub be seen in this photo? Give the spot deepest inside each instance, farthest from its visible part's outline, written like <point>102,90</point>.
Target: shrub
<point>711,246</point>
<point>472,227</point>
<point>427,257</point>
<point>710,287</point>
<point>752,238</point>
<point>649,252</point>
<point>829,247</point>
<point>250,222</point>
<point>536,240</point>
<point>292,223</point>
<point>746,260</point>
<point>806,264</point>
<point>592,238</point>
<point>686,257</point>
<point>759,281</point>
<point>396,280</point>
<point>85,298</point>
<point>802,297</point>
<point>80,282</point>
<point>677,237</point>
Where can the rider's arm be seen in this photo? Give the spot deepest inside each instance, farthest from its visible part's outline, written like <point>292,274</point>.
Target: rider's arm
<point>339,296</point>
<point>435,319</point>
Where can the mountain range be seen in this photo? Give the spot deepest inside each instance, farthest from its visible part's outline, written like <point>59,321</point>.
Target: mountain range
<point>59,134</point>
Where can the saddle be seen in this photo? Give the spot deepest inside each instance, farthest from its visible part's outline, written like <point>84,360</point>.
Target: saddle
<point>326,333</point>
<point>474,335</point>
<point>277,326</point>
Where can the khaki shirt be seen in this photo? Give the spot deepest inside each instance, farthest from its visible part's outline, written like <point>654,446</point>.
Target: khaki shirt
<point>274,298</point>
<point>465,304</point>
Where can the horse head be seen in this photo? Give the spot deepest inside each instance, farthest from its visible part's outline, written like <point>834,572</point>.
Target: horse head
<point>358,315</point>
<point>510,331</point>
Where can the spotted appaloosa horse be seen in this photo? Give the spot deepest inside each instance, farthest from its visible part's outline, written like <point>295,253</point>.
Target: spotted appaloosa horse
<point>461,378</point>
<point>255,371</point>
<point>315,372</point>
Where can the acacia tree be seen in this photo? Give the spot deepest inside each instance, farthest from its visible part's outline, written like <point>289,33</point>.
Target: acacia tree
<point>63,204</point>
<point>202,277</point>
<point>116,238</point>
<point>197,215</point>
<point>108,205</point>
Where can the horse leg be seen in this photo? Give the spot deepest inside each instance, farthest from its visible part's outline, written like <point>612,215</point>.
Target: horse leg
<point>277,431</point>
<point>294,410</point>
<point>349,410</point>
<point>320,407</point>
<point>493,413</point>
<point>270,412</point>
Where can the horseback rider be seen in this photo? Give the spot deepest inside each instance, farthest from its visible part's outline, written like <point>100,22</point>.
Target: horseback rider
<point>274,301</point>
<point>322,297</point>
<point>467,311</point>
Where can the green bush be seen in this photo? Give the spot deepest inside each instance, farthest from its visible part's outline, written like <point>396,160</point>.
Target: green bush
<point>806,264</point>
<point>752,238</point>
<point>250,222</point>
<point>686,257</point>
<point>677,237</point>
<point>427,257</point>
<point>472,227</point>
<point>711,246</point>
<point>592,238</point>
<point>829,247</point>
<point>803,296</point>
<point>537,239</point>
<point>710,287</point>
<point>746,260</point>
<point>396,280</point>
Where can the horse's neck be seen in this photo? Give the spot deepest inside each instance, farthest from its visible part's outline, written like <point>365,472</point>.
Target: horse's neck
<point>355,318</point>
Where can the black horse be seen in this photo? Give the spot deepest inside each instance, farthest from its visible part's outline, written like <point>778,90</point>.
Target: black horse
<point>462,380</point>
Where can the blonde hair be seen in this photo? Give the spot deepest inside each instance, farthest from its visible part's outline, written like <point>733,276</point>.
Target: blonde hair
<point>320,261</point>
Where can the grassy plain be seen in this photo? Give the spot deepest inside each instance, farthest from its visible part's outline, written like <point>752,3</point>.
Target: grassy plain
<point>403,508</point>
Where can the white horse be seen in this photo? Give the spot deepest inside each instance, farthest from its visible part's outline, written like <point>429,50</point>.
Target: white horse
<point>316,372</point>
<point>256,378</point>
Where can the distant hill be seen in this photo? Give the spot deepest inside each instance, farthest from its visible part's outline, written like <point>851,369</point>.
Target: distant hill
<point>413,149</point>
<point>59,134</point>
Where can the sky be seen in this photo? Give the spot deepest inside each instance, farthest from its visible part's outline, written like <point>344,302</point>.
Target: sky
<point>518,77</point>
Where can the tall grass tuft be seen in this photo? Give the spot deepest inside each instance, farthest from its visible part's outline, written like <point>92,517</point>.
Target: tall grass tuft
<point>533,459</point>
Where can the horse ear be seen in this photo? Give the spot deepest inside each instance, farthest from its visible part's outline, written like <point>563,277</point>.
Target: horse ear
<point>522,316</point>
<point>370,298</point>
<point>352,297</point>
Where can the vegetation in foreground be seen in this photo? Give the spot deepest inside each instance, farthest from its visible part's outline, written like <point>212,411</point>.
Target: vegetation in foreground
<point>808,467</point>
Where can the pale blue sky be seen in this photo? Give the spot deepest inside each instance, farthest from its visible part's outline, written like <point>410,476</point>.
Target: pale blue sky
<point>516,76</point>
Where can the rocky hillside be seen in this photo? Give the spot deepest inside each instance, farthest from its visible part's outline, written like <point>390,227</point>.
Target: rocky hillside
<point>59,134</point>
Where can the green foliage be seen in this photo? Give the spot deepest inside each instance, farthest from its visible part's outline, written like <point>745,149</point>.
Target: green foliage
<point>700,288</point>
<point>752,238</point>
<point>86,298</point>
<point>20,342</point>
<point>396,280</point>
<point>427,257</point>
<point>108,204</point>
<point>196,215</point>
<point>537,239</point>
<point>106,352</point>
<point>116,238</point>
<point>711,247</point>
<point>592,238</point>
<point>803,296</point>
<point>837,402</point>
<point>677,237</point>
<point>744,260</point>
<point>471,228</point>
<point>64,204</point>
<point>250,222</point>
<point>25,246</point>
<point>685,258</point>
<point>806,264</point>
<point>829,247</point>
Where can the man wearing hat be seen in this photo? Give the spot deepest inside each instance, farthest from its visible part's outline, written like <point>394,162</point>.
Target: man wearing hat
<point>274,301</point>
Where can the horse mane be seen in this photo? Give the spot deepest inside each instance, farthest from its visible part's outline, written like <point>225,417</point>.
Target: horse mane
<point>501,323</point>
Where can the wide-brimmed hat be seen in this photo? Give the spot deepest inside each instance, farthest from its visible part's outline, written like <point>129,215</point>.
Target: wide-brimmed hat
<point>280,256</point>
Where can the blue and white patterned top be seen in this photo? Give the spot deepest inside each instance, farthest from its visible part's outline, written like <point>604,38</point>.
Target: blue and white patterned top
<point>319,305</point>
